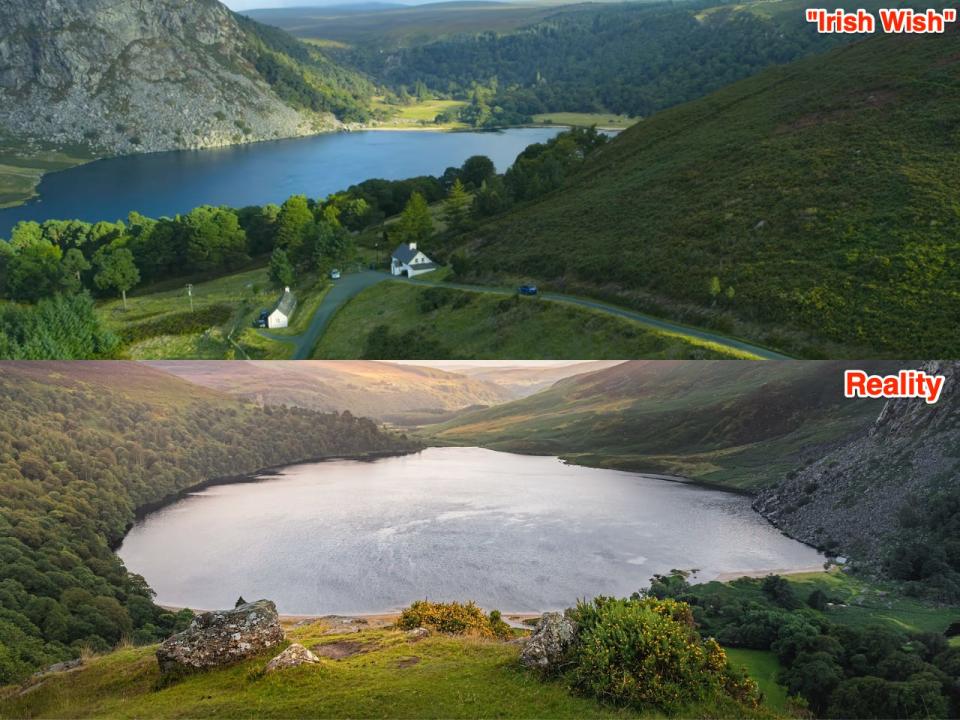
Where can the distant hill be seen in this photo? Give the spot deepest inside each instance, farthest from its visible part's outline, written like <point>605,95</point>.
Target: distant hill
<point>737,425</point>
<point>129,76</point>
<point>399,393</point>
<point>524,381</point>
<point>812,207</point>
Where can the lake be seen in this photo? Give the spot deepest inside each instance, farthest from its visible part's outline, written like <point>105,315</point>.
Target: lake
<point>160,184</point>
<point>514,532</point>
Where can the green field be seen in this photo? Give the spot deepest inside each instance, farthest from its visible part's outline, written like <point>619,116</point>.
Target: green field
<point>475,325</point>
<point>419,114</point>
<point>159,324</point>
<point>762,666</point>
<point>610,121</point>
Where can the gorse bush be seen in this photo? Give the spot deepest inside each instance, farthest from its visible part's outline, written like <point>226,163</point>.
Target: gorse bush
<point>647,653</point>
<point>454,618</point>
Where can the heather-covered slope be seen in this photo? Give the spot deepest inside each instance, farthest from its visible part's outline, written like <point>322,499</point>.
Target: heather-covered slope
<point>812,207</point>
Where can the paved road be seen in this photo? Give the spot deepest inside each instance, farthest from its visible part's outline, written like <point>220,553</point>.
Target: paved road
<point>642,318</point>
<point>343,290</point>
<point>352,285</point>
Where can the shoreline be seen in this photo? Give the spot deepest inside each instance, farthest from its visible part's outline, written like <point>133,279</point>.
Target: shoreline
<point>141,511</point>
<point>391,616</point>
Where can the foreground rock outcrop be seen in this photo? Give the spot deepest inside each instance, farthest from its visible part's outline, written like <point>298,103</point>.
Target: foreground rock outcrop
<point>294,656</point>
<point>222,637</point>
<point>136,76</point>
<point>549,645</point>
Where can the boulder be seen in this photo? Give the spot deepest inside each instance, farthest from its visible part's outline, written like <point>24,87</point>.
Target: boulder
<point>548,647</point>
<point>294,656</point>
<point>418,633</point>
<point>222,637</point>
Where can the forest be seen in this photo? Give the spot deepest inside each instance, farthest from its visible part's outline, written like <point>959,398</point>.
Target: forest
<point>82,447</point>
<point>838,670</point>
<point>632,59</point>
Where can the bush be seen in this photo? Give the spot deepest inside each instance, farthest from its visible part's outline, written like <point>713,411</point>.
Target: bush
<point>646,653</point>
<point>185,323</point>
<point>454,618</point>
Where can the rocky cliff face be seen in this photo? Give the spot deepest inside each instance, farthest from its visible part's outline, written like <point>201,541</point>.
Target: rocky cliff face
<point>126,76</point>
<point>850,500</point>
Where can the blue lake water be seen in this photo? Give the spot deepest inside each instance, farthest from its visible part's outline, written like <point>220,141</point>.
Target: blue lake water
<point>163,184</point>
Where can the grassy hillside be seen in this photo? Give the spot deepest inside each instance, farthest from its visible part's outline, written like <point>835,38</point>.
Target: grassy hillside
<point>438,677</point>
<point>442,676</point>
<point>812,207</point>
<point>400,321</point>
<point>736,425</point>
<point>370,389</point>
<point>82,447</point>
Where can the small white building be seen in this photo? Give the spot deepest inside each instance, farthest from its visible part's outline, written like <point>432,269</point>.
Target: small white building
<point>280,317</point>
<point>409,261</point>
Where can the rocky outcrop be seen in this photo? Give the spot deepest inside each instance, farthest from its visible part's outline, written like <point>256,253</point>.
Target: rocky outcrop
<point>125,76</point>
<point>222,637</point>
<point>850,500</point>
<point>294,656</point>
<point>549,646</point>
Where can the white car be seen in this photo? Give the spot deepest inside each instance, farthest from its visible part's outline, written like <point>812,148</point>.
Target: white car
<point>334,274</point>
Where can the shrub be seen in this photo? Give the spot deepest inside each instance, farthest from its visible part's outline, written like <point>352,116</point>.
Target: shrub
<point>454,618</point>
<point>646,653</point>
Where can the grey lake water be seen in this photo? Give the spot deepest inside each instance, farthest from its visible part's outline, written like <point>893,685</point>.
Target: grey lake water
<point>514,532</point>
<point>164,184</point>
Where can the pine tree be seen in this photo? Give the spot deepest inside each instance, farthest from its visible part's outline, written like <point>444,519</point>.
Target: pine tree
<point>457,208</point>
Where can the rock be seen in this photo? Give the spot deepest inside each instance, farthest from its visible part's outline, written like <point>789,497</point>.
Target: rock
<point>294,656</point>
<point>222,637</point>
<point>547,648</point>
<point>60,667</point>
<point>127,77</point>
<point>418,633</point>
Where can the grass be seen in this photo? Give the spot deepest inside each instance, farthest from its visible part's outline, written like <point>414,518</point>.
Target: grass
<point>601,120</point>
<point>21,170</point>
<point>441,676</point>
<point>366,685</point>
<point>861,603</point>
<point>762,666</point>
<point>476,325</point>
<point>419,115</point>
<point>244,294</point>
<point>821,192</point>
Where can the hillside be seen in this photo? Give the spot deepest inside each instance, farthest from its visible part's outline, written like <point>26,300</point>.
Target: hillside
<point>140,76</point>
<point>736,425</point>
<point>82,446</point>
<point>524,380</point>
<point>369,389</point>
<point>811,207</point>
<point>893,486</point>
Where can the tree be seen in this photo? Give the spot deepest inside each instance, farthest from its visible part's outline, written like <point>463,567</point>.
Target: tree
<point>33,271</point>
<point>74,264</point>
<point>281,269</point>
<point>477,170</point>
<point>292,223</point>
<point>116,270</point>
<point>457,208</point>
<point>416,224</point>
<point>214,238</point>
<point>714,288</point>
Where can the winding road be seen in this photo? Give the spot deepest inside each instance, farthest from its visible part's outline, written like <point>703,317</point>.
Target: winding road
<point>352,285</point>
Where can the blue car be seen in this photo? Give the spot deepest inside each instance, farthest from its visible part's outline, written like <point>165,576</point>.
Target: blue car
<point>528,290</point>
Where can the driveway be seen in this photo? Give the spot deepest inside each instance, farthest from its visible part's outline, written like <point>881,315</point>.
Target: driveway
<point>343,290</point>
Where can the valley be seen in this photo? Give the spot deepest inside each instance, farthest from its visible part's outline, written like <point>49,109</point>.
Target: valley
<point>381,505</point>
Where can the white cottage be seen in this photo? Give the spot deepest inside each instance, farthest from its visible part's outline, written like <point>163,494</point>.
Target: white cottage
<point>409,261</point>
<point>280,317</point>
